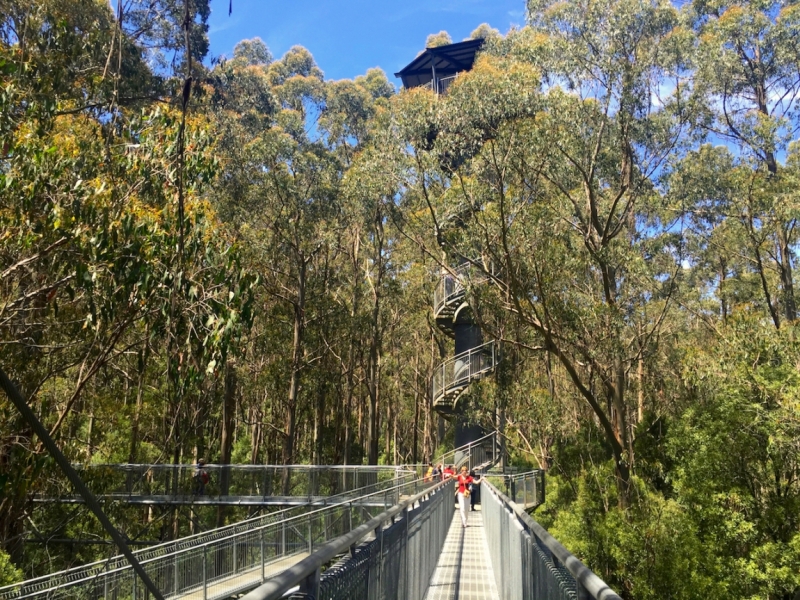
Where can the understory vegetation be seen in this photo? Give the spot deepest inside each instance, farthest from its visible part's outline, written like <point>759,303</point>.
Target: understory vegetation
<point>234,259</point>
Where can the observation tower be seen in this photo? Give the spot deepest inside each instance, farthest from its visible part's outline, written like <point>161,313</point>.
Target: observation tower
<point>474,358</point>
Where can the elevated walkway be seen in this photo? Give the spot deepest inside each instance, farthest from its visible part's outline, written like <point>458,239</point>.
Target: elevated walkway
<point>187,500</point>
<point>229,485</point>
<point>464,571</point>
<point>395,541</point>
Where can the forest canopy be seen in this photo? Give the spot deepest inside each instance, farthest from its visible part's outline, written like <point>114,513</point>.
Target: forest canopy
<point>235,260</point>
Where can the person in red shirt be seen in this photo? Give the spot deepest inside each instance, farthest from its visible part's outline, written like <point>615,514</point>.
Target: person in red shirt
<point>464,479</point>
<point>447,473</point>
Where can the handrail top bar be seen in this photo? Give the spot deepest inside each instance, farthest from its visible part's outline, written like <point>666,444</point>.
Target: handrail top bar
<point>367,468</point>
<point>466,266</point>
<point>523,474</point>
<point>466,353</point>
<point>582,574</point>
<point>275,586</point>
<point>468,445</point>
<point>288,520</point>
<point>186,539</point>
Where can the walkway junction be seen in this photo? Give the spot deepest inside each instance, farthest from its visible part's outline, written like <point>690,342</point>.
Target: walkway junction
<point>395,538</point>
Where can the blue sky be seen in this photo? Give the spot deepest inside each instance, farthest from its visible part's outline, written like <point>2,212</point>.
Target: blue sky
<point>347,37</point>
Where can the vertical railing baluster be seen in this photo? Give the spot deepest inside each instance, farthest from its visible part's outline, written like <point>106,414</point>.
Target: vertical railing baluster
<point>263,558</point>
<point>205,573</point>
<point>175,575</point>
<point>235,561</point>
<point>283,538</point>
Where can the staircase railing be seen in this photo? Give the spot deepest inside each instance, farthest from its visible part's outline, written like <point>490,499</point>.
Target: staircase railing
<point>452,284</point>
<point>483,453</point>
<point>457,372</point>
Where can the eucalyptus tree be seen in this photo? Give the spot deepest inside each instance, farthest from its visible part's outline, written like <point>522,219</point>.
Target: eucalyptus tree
<point>352,109</point>
<point>90,277</point>
<point>295,201</point>
<point>748,59</point>
<point>729,255</point>
<point>545,156</point>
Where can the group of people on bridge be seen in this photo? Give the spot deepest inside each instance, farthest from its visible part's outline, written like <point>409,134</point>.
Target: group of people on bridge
<point>468,485</point>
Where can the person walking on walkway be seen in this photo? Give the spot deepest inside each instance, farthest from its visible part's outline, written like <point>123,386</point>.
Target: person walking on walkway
<point>464,481</point>
<point>200,478</point>
<point>474,490</point>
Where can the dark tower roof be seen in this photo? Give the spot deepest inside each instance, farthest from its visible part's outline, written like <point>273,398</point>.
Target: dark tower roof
<point>443,60</point>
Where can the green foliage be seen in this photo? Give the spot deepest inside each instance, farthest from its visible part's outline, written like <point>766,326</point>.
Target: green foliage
<point>8,572</point>
<point>252,52</point>
<point>435,40</point>
<point>736,453</point>
<point>484,31</point>
<point>638,279</point>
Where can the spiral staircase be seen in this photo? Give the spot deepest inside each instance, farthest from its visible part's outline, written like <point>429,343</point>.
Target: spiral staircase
<point>474,358</point>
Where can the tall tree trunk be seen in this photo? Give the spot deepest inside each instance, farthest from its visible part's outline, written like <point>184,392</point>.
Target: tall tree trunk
<point>256,434</point>
<point>319,416</point>
<point>294,380</point>
<point>133,452</point>
<point>89,433</point>
<point>621,430</point>
<point>176,460</point>
<point>785,270</point>
<point>784,259</point>
<point>723,302</point>
<point>373,416</point>
<point>415,434</point>
<point>226,436</point>
<point>640,387</point>
<point>387,444</point>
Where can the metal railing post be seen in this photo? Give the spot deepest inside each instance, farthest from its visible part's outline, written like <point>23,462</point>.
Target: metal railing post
<point>283,539</point>
<point>205,573</point>
<point>310,539</point>
<point>407,554</point>
<point>379,531</point>
<point>263,558</point>
<point>175,575</point>
<point>310,585</point>
<point>235,561</point>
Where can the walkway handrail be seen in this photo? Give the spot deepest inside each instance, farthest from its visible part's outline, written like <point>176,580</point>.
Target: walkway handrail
<point>143,480</point>
<point>169,552</point>
<point>306,573</point>
<point>459,370</point>
<point>527,489</point>
<point>553,572</point>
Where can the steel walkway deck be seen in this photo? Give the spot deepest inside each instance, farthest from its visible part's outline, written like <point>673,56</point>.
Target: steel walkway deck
<point>464,570</point>
<point>242,581</point>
